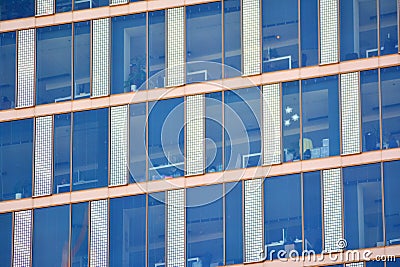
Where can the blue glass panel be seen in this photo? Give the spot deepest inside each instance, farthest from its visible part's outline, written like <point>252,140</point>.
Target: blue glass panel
<point>85,4</point>
<point>156,55</point>
<point>15,9</point>
<point>242,128</point>
<point>283,224</point>
<point>358,29</point>
<point>156,228</point>
<point>203,20</point>
<point>312,211</point>
<point>53,63</point>
<point>204,226</point>
<point>128,231</point>
<point>16,154</point>
<point>390,107</point>
<point>82,60</point>
<point>63,6</point>
<point>232,38</point>
<point>280,35</point>
<point>363,226</point>
<point>369,87</point>
<point>90,149</point>
<point>291,121</point>
<point>166,143</point>
<point>6,232</point>
<point>214,132</point>
<point>233,223</point>
<point>309,32</point>
<point>320,116</point>
<point>7,70</point>
<point>388,26</point>
<point>128,56</point>
<point>374,264</point>
<point>79,234</point>
<point>393,263</point>
<point>137,142</point>
<point>50,237</point>
<point>62,153</point>
<point>391,180</point>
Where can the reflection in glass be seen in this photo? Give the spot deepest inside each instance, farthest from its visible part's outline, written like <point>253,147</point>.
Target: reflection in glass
<point>6,226</point>
<point>63,5</point>
<point>232,39</point>
<point>7,70</point>
<point>137,142</point>
<point>214,132</point>
<point>85,4</point>
<point>82,59</point>
<point>62,148</point>
<point>391,180</point>
<point>156,55</point>
<point>156,228</point>
<point>15,9</point>
<point>309,32</point>
<point>79,234</point>
<point>290,121</point>
<point>388,26</point>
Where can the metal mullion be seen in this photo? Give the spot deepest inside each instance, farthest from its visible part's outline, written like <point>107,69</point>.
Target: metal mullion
<point>319,32</point>
<point>128,145</point>
<point>91,56</point>
<point>359,113</point>
<point>378,24</point>
<point>321,175</point>
<point>299,33</point>
<point>339,88</point>
<point>223,38</point>
<point>383,203</point>
<point>301,119</point>
<point>147,141</point>
<point>224,194</point>
<point>109,147</point>
<point>71,150</point>
<point>73,61</point>
<point>33,176</point>
<point>147,51</point>
<point>302,210</point>
<point>70,235</point>
<point>380,109</point>
<point>146,217</point>
<point>12,236</point>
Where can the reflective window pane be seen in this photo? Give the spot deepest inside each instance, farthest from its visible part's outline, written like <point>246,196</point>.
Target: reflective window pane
<point>156,228</point>
<point>7,70</point>
<point>6,226</point>
<point>309,32</point>
<point>232,38</point>
<point>388,26</point>
<point>79,234</point>
<point>62,149</point>
<point>391,180</point>
<point>291,121</point>
<point>156,55</point>
<point>214,132</point>
<point>85,4</point>
<point>393,263</point>
<point>82,60</point>
<point>63,6</point>
<point>375,264</point>
<point>15,9</point>
<point>137,142</point>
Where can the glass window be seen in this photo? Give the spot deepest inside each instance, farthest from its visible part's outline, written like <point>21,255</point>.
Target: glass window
<point>214,132</point>
<point>312,211</point>
<point>90,149</point>
<point>156,228</point>
<point>242,128</point>
<point>128,56</point>
<point>15,9</point>
<point>82,59</point>
<point>363,226</point>
<point>156,55</point>
<point>50,237</point>
<point>85,4</point>
<point>280,39</point>
<point>309,13</point>
<point>63,5</point>
<point>53,62</point>
<point>394,263</point>
<point>233,223</point>
<point>204,226</point>
<point>374,264</point>
<point>137,142</point>
<point>79,234</point>
<point>128,231</point>
<point>320,102</point>
<point>391,180</point>
<point>291,121</point>
<point>390,82</point>
<point>16,154</point>
<point>62,153</point>
<point>232,39</point>
<point>388,26</point>
<point>6,226</point>
<point>358,29</point>
<point>166,143</point>
<point>370,110</point>
<point>7,70</point>
<point>283,224</point>
<point>203,20</point>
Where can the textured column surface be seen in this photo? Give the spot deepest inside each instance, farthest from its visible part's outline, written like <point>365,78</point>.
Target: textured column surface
<point>99,233</point>
<point>176,228</point>
<point>253,220</point>
<point>44,7</point>
<point>118,2</point>
<point>271,124</point>
<point>175,47</point>
<point>119,145</point>
<point>101,57</point>
<point>355,264</point>
<point>22,238</point>
<point>195,135</point>
<point>26,68</point>
<point>43,156</point>
<point>350,101</point>
<point>328,14</point>
<point>251,37</point>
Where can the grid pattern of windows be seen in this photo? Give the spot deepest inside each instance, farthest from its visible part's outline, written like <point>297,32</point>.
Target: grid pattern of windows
<point>101,57</point>
<point>251,37</point>
<point>328,15</point>
<point>271,101</point>
<point>22,238</point>
<point>99,233</point>
<point>119,145</point>
<point>43,155</point>
<point>44,7</point>
<point>176,228</point>
<point>26,68</point>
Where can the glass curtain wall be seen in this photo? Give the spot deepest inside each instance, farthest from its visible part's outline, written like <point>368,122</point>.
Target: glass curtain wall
<point>232,38</point>
<point>62,153</point>
<point>6,226</point>
<point>291,121</point>
<point>82,59</point>
<point>7,70</point>
<point>156,54</point>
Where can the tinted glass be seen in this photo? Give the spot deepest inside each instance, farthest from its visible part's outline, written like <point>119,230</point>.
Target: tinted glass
<point>393,263</point>
<point>79,234</point>
<point>84,4</point>
<point>7,70</point>
<point>16,9</point>
<point>137,142</point>
<point>156,228</point>
<point>62,153</point>
<point>391,180</point>
<point>63,6</point>
<point>374,264</point>
<point>214,132</point>
<point>388,26</point>
<point>156,55</point>
<point>6,226</point>
<point>309,32</point>
<point>232,39</point>
<point>82,59</point>
<point>291,121</point>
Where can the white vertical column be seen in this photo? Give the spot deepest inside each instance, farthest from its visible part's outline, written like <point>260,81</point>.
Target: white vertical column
<point>118,2</point>
<point>176,228</point>
<point>355,264</point>
<point>22,238</point>
<point>175,73</point>
<point>195,134</point>
<point>271,102</point>
<point>253,220</point>
<point>99,233</point>
<point>43,156</point>
<point>101,57</point>
<point>44,7</point>
<point>251,40</point>
<point>332,194</point>
<point>350,108</point>
<point>328,20</point>
<point>119,145</point>
<point>26,68</point>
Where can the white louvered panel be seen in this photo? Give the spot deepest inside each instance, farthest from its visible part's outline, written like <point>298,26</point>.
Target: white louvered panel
<point>22,238</point>
<point>355,264</point>
<point>176,228</point>
<point>44,7</point>
<point>99,233</point>
<point>251,37</point>
<point>43,156</point>
<point>253,220</point>
<point>119,145</point>
<point>26,68</point>
<point>118,2</point>
<point>332,192</point>
<point>195,135</point>
<point>271,124</point>
<point>350,99</point>
<point>328,10</point>
<point>175,46</point>
<point>101,57</point>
